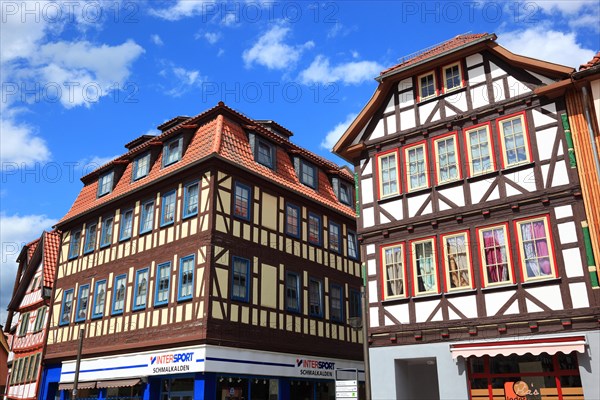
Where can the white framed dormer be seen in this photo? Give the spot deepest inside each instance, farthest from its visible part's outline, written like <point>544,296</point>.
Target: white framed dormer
<point>427,86</point>
<point>452,77</point>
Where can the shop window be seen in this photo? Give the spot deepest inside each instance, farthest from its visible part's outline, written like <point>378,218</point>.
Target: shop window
<point>190,199</point>
<point>186,278</point>
<point>140,292</point>
<point>514,140</point>
<point>457,261</point>
<point>334,237</point>
<point>105,183</point>
<point>66,307</point>
<point>447,160</point>
<point>427,86</point>
<point>74,244</point>
<point>141,166</point>
<point>106,233</point>
<point>394,271</point>
<point>99,299</point>
<point>535,248</point>
<point>119,294</point>
<point>172,151</point>
<point>233,388</point>
<point>147,220</point>
<point>126,224</point>
<point>387,174</point>
<point>417,173</point>
<point>315,297</point>
<point>163,276</point>
<point>167,209</point>
<point>83,297</point>
<point>424,267</point>
<point>314,229</point>
<point>292,291</point>
<point>480,149</point>
<point>292,220</point>
<point>90,238</point>
<point>241,201</point>
<point>336,301</point>
<point>240,279</point>
<point>352,245</point>
<point>495,255</point>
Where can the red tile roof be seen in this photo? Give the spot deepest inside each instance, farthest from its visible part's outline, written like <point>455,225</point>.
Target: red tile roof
<point>594,61</point>
<point>436,50</point>
<point>51,251</point>
<point>222,136</point>
<point>31,246</point>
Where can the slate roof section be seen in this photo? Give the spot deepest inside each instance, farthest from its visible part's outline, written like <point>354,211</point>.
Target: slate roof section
<point>593,62</point>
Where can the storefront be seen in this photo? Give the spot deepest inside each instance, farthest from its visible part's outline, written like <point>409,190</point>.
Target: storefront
<point>202,372</point>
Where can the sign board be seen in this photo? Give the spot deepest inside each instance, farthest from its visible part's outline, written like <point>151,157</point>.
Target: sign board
<point>346,388</point>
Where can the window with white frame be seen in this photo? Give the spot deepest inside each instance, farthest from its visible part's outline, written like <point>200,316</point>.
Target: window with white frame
<point>105,183</point>
<point>447,164</point>
<point>240,279</point>
<point>167,214</point>
<point>126,224</point>
<point>66,307</point>
<point>106,233</point>
<point>457,260</point>
<point>427,86</point>
<point>141,166</point>
<point>163,277</point>
<point>74,244</point>
<point>480,150</point>
<point>292,291</point>
<point>140,295</point>
<point>336,301</point>
<point>119,294</point>
<point>186,278</point>
<point>392,263</point>
<point>40,318</point>
<point>452,77</point>
<point>495,258</point>
<point>99,299</point>
<point>387,168</point>
<point>190,199</point>
<point>82,302</point>
<point>147,220</point>
<point>416,167</point>
<point>172,151</point>
<point>424,266</point>
<point>90,238</point>
<point>315,297</point>
<point>535,248</point>
<point>514,140</point>
<point>334,237</point>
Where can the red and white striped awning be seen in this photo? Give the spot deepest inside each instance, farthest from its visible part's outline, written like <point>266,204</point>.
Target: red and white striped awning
<point>550,345</point>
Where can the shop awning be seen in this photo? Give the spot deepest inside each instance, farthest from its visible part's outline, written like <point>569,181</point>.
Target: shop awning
<point>118,383</point>
<point>80,385</point>
<point>551,346</point>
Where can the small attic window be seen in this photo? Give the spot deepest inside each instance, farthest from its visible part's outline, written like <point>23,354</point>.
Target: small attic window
<point>141,166</point>
<point>105,183</point>
<point>342,190</point>
<point>172,151</point>
<point>307,173</point>
<point>265,153</point>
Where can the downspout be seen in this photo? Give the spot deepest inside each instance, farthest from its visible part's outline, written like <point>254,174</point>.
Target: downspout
<point>588,120</point>
<point>569,138</point>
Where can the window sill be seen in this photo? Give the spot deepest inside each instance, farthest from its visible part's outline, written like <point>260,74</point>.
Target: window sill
<point>189,216</point>
<point>184,299</point>
<point>418,191</point>
<point>517,167</point>
<point>542,281</point>
<point>145,233</point>
<point>85,253</point>
<point>241,218</point>
<point>104,246</point>
<point>124,239</point>
<point>164,225</point>
<point>458,292</point>
<point>159,305</point>
<point>427,296</point>
<point>96,317</point>
<point>138,309</point>
<point>455,182</point>
<point>486,175</point>
<point>508,285</point>
<point>394,300</point>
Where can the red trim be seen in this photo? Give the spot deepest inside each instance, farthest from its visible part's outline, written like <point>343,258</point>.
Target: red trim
<point>550,238</point>
<point>461,73</point>
<point>469,253</point>
<point>481,257</point>
<point>436,156</point>
<point>525,131</point>
<point>377,172</point>
<point>383,274</point>
<point>413,266</point>
<point>406,162</point>
<point>490,145</point>
<point>435,85</point>
<point>517,342</point>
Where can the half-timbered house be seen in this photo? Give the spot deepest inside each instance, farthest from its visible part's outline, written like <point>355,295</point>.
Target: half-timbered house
<point>215,260</point>
<point>472,228</point>
<point>28,314</point>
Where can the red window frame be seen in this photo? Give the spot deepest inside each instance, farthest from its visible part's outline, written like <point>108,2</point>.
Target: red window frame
<point>413,266</point>
<point>490,145</point>
<point>483,267</point>
<point>456,150</point>
<point>380,195</point>
<point>406,165</point>
<point>461,71</point>
<point>469,255</point>
<point>550,238</point>
<point>384,273</point>
<point>526,134</point>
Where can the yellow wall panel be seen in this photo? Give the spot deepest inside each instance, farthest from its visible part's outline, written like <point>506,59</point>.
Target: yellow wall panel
<point>245,317</point>
<point>221,276</point>
<point>269,215</point>
<point>234,313</point>
<point>263,318</point>
<point>254,291</point>
<point>268,289</point>
<point>216,310</point>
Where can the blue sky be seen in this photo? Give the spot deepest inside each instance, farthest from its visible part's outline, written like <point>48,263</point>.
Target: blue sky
<point>80,79</point>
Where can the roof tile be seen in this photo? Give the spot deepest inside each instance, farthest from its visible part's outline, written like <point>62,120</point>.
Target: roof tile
<point>51,251</point>
<point>594,61</point>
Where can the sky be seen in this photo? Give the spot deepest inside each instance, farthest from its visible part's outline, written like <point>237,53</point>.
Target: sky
<point>82,78</point>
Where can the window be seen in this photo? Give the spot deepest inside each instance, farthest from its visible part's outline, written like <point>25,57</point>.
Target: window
<point>308,174</point>
<point>292,292</point>
<point>240,279</point>
<point>65,310</point>
<point>417,176</point>
<point>452,77</point>
<point>427,86</point>
<point>241,201</point>
<point>314,229</point>
<point>39,319</point>
<point>141,166</point>
<point>292,220</point>
<point>90,239</point>
<point>34,284</point>
<point>387,170</point>
<point>190,199</point>
<point>99,299</point>
<point>334,237</point>
<point>74,245</point>
<point>495,255</point>
<point>480,149</point>
<point>355,307</point>
<point>345,195</point>
<point>172,151</point>
<point>107,232</point>
<point>105,183</point>
<point>167,213</point>
<point>514,141</point>
<point>82,303</point>
<point>424,267</point>
<point>119,295</point>
<point>394,271</point>
<point>457,260</point>
<point>126,224</point>
<point>265,153</point>
<point>186,277</point>
<point>336,301</point>
<point>163,277</point>
<point>24,324</point>
<point>352,245</point>
<point>536,248</point>
<point>147,220</point>
<point>447,165</point>
<point>140,292</point>
<point>315,297</point>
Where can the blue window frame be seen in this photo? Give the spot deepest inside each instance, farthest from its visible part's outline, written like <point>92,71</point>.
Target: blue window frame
<point>336,303</point>
<point>119,292</point>
<point>315,297</point>
<point>140,291</point>
<point>240,280</point>
<point>185,290</point>
<point>141,166</point>
<point>308,174</point>
<point>106,235</point>
<point>352,245</point>
<point>172,151</point>
<point>292,220</point>
<point>167,208</point>
<point>190,199</point>
<point>241,201</point>
<point>147,220</point>
<point>163,283</point>
<point>66,307</point>
<point>314,229</point>
<point>105,183</point>
<point>126,228</point>
<point>83,297</point>
<point>90,238</point>
<point>335,237</point>
<point>99,299</point>
<point>292,291</point>
<point>354,309</point>
<point>74,244</point>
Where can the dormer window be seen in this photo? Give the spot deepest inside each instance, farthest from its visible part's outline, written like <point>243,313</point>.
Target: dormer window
<point>172,151</point>
<point>105,183</point>
<point>265,153</point>
<point>427,86</point>
<point>452,77</point>
<point>308,174</point>
<point>342,190</point>
<point>141,166</point>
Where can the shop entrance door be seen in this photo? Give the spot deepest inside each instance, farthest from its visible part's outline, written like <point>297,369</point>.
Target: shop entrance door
<point>177,389</point>
<point>417,379</point>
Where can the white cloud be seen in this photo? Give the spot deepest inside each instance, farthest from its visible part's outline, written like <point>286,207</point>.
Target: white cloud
<point>19,144</point>
<point>548,45</point>
<point>565,6</point>
<point>180,79</point>
<point>183,9</point>
<point>220,52</point>
<point>156,40</point>
<point>230,19</point>
<point>354,72</point>
<point>212,37</point>
<point>16,231</point>
<point>336,133</point>
<point>271,51</point>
